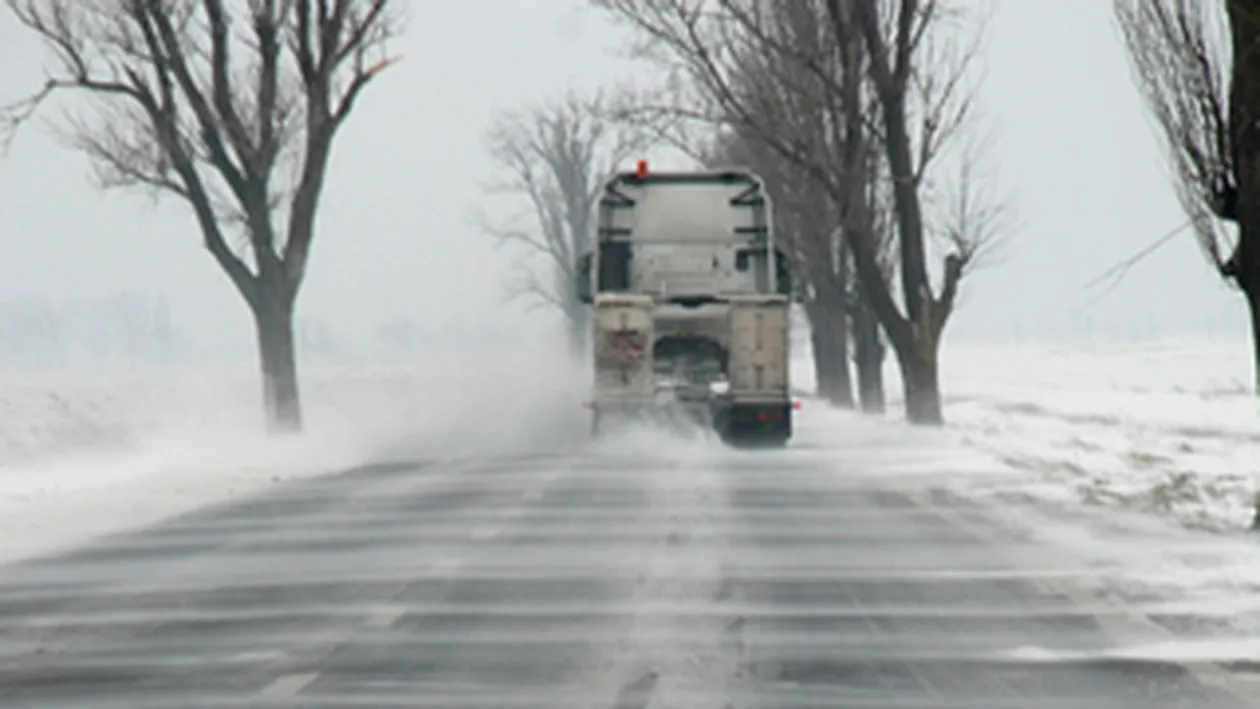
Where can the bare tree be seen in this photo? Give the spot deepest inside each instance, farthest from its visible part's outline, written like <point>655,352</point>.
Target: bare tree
<point>869,346</point>
<point>805,218</point>
<point>1195,66</point>
<point>914,64</point>
<point>1197,69</point>
<point>556,155</point>
<point>231,107</point>
<point>907,64</point>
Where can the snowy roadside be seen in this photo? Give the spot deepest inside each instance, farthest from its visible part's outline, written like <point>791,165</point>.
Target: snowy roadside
<point>1136,463</point>
<point>1169,430</point>
<point>91,455</point>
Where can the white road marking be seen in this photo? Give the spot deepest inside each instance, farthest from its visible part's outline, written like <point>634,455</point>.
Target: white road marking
<point>289,685</point>
<point>446,564</point>
<point>1124,624</point>
<point>386,617</point>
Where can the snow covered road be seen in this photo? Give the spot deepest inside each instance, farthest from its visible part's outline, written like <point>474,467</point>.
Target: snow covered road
<point>690,577</point>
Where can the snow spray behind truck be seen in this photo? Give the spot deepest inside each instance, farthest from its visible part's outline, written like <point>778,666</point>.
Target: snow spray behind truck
<point>691,300</point>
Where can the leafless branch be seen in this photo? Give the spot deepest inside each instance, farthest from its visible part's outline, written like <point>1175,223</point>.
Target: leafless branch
<point>555,156</point>
<point>1116,273</point>
<point>976,220</point>
<point>194,98</point>
<point>1178,51</point>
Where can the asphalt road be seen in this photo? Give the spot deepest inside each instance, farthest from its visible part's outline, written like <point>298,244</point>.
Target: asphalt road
<point>746,581</point>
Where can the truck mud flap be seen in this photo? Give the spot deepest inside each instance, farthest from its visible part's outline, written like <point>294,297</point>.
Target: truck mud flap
<point>754,425</point>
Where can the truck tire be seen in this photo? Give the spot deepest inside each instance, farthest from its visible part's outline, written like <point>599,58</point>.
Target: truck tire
<point>749,439</point>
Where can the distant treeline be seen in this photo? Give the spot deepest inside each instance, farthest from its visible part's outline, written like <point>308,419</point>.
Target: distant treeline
<point>126,327</point>
<point>135,329</point>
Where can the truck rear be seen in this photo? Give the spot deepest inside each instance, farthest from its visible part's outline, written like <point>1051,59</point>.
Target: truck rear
<point>691,301</point>
<point>756,405</point>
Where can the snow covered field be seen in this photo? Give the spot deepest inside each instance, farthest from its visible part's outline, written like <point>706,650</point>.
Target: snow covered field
<point>1138,460</point>
<point>1168,429</point>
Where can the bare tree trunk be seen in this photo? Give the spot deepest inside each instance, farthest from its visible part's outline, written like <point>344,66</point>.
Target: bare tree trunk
<point>830,342</point>
<point>1244,99</point>
<point>916,349</point>
<point>921,382</point>
<point>916,337</point>
<point>1252,291</point>
<point>869,357</point>
<point>823,352</point>
<point>273,318</point>
<point>838,364</point>
<point>837,311</point>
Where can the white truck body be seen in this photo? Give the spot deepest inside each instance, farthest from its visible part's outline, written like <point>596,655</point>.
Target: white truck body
<point>686,263</point>
<point>758,369</point>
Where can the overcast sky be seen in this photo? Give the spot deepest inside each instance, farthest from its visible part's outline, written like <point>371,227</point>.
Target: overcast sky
<point>394,241</point>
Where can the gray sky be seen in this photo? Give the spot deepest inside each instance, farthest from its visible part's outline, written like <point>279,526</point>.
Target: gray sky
<point>394,240</point>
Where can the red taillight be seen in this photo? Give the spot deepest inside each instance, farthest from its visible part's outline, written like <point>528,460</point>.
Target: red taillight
<point>586,405</point>
<point>641,170</point>
<point>796,405</point>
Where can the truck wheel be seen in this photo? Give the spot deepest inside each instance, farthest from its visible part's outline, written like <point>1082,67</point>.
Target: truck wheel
<point>720,421</point>
<point>756,437</point>
<point>775,439</point>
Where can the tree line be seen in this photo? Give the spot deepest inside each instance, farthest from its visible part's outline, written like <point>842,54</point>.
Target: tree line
<point>861,115</point>
<point>125,327</point>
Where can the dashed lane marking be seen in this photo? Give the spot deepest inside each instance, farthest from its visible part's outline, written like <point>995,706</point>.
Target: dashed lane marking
<point>289,685</point>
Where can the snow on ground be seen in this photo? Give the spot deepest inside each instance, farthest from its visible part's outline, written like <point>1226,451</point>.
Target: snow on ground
<point>1138,460</point>
<point>1169,429</point>
<point>1132,463</point>
<point>92,454</point>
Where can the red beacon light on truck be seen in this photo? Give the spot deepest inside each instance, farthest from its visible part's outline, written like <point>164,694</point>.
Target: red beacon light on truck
<point>641,170</point>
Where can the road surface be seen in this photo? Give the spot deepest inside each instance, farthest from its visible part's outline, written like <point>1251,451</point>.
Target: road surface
<point>695,579</point>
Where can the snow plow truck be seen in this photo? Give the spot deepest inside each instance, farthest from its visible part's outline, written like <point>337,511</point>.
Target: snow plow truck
<point>691,302</point>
